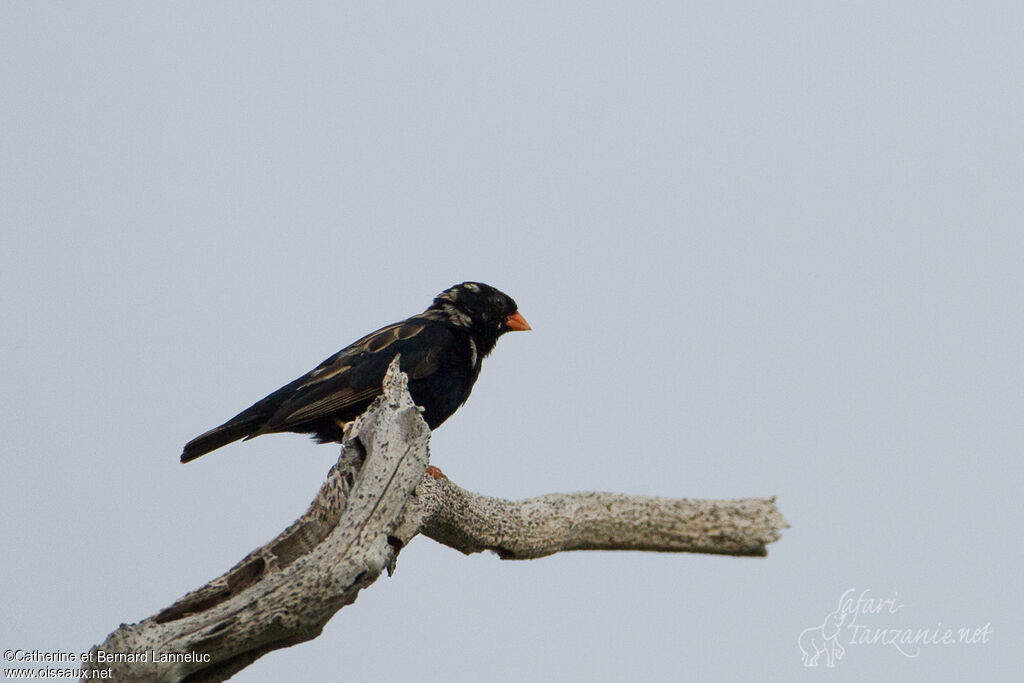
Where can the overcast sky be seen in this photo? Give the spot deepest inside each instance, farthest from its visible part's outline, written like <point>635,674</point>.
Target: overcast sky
<point>765,248</point>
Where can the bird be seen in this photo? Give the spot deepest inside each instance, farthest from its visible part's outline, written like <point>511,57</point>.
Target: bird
<point>441,353</point>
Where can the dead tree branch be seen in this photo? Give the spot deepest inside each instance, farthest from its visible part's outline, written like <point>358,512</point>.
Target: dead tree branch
<point>377,497</point>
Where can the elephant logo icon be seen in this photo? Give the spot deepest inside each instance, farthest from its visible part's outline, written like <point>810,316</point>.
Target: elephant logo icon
<point>823,640</point>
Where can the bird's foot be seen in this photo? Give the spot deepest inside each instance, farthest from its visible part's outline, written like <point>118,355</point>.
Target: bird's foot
<point>435,472</point>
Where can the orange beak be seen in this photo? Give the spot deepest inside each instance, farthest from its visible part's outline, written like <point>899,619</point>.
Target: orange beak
<point>517,322</point>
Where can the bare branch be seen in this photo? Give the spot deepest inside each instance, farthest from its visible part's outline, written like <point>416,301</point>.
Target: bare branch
<point>536,527</point>
<point>375,500</point>
<point>285,592</point>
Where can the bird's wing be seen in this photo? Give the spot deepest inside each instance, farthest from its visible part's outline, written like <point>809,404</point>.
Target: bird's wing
<point>351,378</point>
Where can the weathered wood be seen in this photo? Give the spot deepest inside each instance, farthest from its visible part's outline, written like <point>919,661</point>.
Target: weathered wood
<point>527,529</point>
<point>284,592</point>
<point>376,499</point>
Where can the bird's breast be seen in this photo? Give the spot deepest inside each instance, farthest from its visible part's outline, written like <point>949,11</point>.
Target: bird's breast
<point>442,392</point>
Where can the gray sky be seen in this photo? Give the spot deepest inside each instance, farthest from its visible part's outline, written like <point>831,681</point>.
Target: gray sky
<point>765,249</point>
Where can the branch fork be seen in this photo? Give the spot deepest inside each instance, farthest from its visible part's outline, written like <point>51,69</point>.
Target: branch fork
<point>376,499</point>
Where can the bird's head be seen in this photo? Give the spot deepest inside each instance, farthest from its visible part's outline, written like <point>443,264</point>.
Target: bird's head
<point>488,312</point>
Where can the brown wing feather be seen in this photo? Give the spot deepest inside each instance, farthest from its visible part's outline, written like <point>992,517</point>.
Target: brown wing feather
<point>324,406</point>
<point>426,365</point>
<point>346,379</point>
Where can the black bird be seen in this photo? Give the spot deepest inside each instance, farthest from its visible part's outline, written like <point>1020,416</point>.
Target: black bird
<point>442,349</point>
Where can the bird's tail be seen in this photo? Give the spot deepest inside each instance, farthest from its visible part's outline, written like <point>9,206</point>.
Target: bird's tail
<point>219,436</point>
<point>245,425</point>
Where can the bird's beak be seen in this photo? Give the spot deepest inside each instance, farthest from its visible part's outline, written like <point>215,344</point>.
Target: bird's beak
<point>517,322</point>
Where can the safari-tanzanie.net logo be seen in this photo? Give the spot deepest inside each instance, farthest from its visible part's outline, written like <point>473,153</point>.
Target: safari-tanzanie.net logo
<point>862,620</point>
